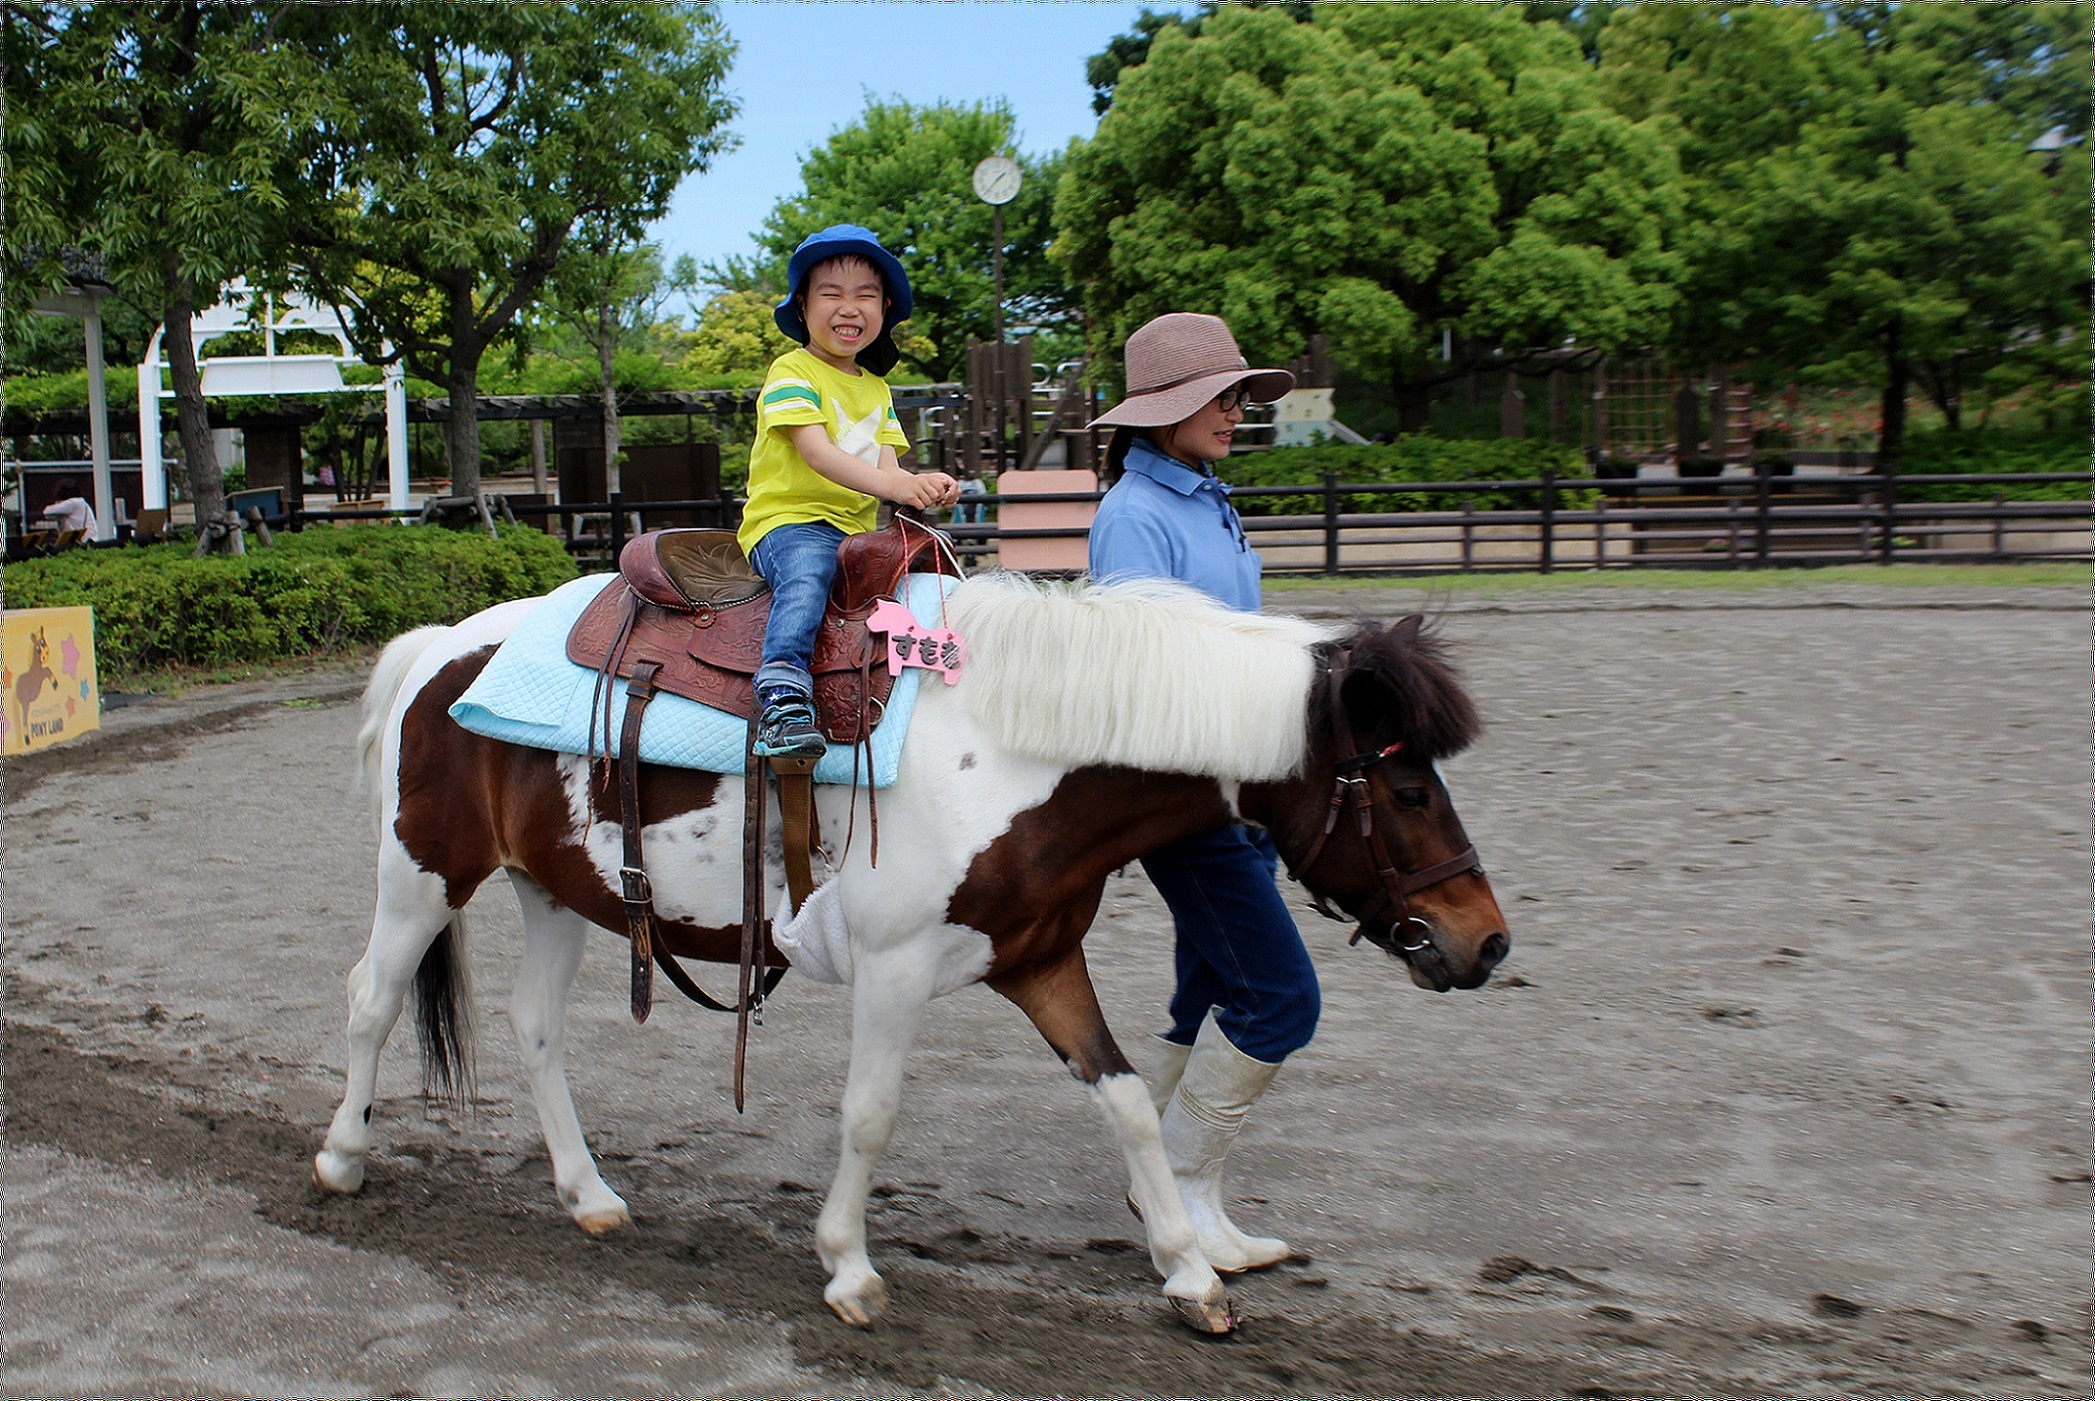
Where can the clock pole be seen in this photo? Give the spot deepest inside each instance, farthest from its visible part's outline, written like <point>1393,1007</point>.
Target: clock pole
<point>996,181</point>
<point>1003,391</point>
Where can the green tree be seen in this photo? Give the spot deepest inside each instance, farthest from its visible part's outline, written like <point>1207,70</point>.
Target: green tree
<point>464,144</point>
<point>1583,19</point>
<point>151,136</point>
<point>1131,50</point>
<point>1870,209</point>
<point>904,171</point>
<point>735,336</point>
<point>609,294</point>
<point>1401,177</point>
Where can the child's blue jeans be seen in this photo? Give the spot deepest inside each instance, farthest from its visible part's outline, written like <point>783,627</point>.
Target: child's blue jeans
<point>798,560</point>
<point>1239,951</point>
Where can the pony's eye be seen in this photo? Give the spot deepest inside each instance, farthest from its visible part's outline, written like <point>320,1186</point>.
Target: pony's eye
<point>1414,797</point>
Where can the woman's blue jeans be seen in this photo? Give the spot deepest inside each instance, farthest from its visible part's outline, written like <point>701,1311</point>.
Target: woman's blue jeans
<point>798,560</point>
<point>1239,951</point>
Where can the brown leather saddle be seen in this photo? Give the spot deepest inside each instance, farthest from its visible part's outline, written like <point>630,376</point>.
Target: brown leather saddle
<point>686,614</point>
<point>689,602</point>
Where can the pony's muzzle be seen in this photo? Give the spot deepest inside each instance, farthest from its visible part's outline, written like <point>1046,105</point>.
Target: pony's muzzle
<point>1423,948</point>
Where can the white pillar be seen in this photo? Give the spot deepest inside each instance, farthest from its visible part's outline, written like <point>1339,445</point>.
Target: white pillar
<point>98,426</point>
<point>152,470</point>
<point>396,436</point>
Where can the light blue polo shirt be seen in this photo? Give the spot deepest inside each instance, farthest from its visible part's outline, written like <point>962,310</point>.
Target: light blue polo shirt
<point>1165,520</point>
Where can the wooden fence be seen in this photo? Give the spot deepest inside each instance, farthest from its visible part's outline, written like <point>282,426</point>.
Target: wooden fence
<point>1562,523</point>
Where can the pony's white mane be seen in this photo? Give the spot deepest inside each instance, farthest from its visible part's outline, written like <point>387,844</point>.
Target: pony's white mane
<point>1147,674</point>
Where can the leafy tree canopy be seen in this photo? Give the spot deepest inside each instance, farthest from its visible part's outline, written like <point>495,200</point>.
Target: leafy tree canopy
<point>1130,50</point>
<point>1870,208</point>
<point>151,138</point>
<point>465,143</point>
<point>1387,174</point>
<point>735,336</point>
<point>904,171</point>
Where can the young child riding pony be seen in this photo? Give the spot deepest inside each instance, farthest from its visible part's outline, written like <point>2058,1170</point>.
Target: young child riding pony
<point>826,455</point>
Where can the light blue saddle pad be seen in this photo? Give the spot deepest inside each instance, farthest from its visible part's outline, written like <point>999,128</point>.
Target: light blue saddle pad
<point>531,694</point>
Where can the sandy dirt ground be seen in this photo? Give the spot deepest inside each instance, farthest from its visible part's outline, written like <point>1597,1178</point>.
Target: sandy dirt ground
<point>1784,1089</point>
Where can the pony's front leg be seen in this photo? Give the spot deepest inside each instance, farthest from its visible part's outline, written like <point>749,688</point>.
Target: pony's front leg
<point>889,993</point>
<point>1061,1002</point>
<point>554,937</point>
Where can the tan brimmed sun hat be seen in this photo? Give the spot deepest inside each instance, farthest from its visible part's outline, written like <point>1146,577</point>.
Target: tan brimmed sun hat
<point>1179,361</point>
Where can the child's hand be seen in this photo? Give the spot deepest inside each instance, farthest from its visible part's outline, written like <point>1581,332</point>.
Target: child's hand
<point>928,491</point>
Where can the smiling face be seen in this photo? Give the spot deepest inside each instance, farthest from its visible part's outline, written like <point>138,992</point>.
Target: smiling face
<point>1205,436</point>
<point>845,304</point>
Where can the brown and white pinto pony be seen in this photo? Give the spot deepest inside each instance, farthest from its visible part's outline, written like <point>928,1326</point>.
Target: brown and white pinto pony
<point>1090,725</point>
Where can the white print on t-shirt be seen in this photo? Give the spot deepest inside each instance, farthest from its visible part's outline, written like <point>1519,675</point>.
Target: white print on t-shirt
<point>860,437</point>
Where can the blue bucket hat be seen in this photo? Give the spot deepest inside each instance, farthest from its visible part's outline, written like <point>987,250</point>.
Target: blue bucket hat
<point>835,242</point>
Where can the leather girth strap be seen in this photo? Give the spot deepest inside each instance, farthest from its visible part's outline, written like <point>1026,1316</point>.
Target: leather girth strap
<point>637,892</point>
<point>796,818</point>
<point>755,982</point>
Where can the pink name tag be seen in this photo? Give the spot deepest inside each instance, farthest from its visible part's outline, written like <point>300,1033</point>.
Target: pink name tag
<point>909,643</point>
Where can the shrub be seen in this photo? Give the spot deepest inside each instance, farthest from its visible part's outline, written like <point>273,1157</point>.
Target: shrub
<point>1413,459</point>
<point>1994,450</point>
<point>315,591</point>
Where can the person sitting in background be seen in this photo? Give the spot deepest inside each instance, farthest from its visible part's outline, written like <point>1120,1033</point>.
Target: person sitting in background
<point>71,511</point>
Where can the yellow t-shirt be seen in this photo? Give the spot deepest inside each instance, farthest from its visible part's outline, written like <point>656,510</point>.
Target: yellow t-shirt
<point>859,413</point>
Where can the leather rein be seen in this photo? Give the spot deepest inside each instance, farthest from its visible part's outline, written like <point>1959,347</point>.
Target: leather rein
<point>1353,787</point>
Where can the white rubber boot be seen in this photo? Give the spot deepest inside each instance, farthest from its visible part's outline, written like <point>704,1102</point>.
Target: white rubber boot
<point>1216,1090</point>
<point>1165,1067</point>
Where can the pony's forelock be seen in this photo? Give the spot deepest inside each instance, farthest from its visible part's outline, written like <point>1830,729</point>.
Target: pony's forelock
<point>1415,685</point>
<point>1145,674</point>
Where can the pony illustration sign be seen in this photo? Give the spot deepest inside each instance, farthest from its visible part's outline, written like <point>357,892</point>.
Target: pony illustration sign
<point>47,671</point>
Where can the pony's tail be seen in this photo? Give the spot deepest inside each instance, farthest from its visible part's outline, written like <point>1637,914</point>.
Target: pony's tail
<point>444,1015</point>
<point>387,678</point>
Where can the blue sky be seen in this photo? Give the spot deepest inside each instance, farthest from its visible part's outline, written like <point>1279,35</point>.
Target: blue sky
<point>803,70</point>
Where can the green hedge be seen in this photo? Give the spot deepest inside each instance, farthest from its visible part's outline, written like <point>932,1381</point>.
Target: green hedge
<point>1413,459</point>
<point>311,592</point>
<point>1994,450</point>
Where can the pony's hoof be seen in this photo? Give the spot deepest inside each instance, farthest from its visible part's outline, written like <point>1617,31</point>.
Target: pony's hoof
<point>599,1223</point>
<point>858,1307</point>
<point>334,1173</point>
<point>1213,1316</point>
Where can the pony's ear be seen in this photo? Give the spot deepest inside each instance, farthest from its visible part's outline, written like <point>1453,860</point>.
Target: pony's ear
<point>1405,631</point>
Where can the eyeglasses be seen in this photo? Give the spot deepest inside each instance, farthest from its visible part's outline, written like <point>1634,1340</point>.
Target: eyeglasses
<point>1231,399</point>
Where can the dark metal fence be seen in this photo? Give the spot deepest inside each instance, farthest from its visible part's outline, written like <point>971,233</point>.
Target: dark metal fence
<point>1735,521</point>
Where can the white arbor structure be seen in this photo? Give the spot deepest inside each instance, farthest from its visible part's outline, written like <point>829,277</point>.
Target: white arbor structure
<point>82,297</point>
<point>268,373</point>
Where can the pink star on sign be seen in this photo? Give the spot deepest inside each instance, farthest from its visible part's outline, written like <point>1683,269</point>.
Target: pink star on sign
<point>70,652</point>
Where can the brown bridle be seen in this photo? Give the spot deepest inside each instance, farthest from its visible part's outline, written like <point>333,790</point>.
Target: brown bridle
<point>1353,788</point>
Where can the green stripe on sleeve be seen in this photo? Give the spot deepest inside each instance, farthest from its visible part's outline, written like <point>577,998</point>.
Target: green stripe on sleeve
<point>788,392</point>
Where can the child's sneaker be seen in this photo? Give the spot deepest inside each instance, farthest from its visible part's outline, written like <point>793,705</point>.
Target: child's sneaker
<point>787,727</point>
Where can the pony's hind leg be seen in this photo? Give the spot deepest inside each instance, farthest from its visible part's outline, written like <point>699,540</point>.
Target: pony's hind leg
<point>1062,1004</point>
<point>554,937</point>
<point>889,993</point>
<point>412,913</point>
